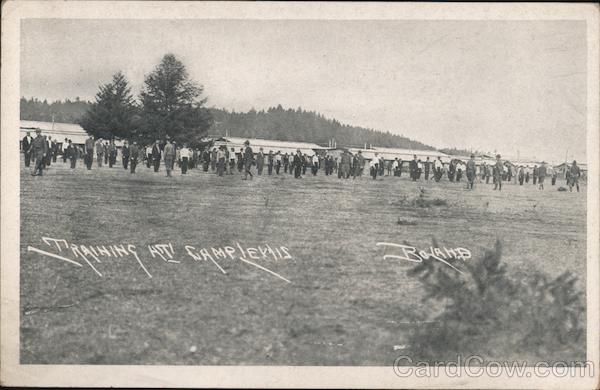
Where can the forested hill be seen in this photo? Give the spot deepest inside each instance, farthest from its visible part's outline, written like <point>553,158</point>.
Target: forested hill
<point>68,111</point>
<point>300,125</point>
<point>273,123</point>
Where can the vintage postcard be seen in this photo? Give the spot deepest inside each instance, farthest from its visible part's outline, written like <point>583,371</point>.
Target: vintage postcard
<point>249,194</point>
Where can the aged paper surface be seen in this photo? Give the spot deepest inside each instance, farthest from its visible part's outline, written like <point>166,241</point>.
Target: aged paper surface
<point>375,270</point>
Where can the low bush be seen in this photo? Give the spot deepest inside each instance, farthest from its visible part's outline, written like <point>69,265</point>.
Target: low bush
<point>490,312</point>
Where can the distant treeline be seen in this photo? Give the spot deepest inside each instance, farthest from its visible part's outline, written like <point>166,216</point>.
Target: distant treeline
<point>69,111</point>
<point>304,126</point>
<point>274,123</point>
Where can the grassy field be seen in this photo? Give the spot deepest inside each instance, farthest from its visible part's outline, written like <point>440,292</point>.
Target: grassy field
<point>344,305</point>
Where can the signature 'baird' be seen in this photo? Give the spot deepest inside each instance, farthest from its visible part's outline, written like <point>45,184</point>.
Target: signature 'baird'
<point>412,254</point>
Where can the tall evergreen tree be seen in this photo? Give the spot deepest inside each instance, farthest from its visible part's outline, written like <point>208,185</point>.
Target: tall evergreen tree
<point>172,104</point>
<point>112,113</point>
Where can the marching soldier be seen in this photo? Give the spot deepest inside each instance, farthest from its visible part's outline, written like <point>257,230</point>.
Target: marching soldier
<point>89,152</point>
<point>574,174</point>
<point>26,144</point>
<point>277,162</point>
<point>521,175</point>
<point>498,168</point>
<point>64,147</point>
<point>156,155</point>
<point>413,167</point>
<point>297,163</point>
<point>260,161</point>
<point>221,160</point>
<point>270,161</point>
<point>248,159</point>
<point>71,153</point>
<point>99,152</point>
<point>286,162</point>
<point>427,168</point>
<point>54,150</point>
<point>438,167</point>
<point>112,154</point>
<point>374,166</point>
<point>134,153</point>
<point>105,152</point>
<point>169,156</point>
<point>125,155</point>
<point>542,175</point>
<point>315,164</point>
<point>471,171</point>
<point>39,148</point>
<point>184,153</point>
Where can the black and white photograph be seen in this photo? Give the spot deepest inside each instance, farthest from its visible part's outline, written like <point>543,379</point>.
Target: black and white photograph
<point>317,186</point>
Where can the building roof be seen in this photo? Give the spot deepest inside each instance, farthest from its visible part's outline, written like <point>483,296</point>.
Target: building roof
<point>404,154</point>
<point>269,145</point>
<point>58,131</point>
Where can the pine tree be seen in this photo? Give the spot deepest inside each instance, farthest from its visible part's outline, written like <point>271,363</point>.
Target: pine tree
<point>172,106</point>
<point>110,116</point>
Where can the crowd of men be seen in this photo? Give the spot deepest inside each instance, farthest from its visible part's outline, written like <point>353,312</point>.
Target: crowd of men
<point>224,160</point>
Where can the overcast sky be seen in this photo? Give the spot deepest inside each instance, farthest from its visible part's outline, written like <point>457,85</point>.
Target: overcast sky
<point>487,85</point>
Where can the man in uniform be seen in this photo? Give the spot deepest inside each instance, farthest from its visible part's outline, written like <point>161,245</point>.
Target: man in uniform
<point>344,167</point>
<point>213,159</point>
<point>270,162</point>
<point>48,156</point>
<point>134,153</point>
<point>438,168</point>
<point>542,175</point>
<point>184,153</point>
<point>471,172</point>
<point>248,159</point>
<point>221,160</point>
<point>169,154</point>
<point>105,152</point>
<point>64,147</point>
<point>39,148</point>
<point>574,174</point>
<point>54,150</point>
<point>297,164</point>
<point>240,163</point>
<point>156,155</point>
<point>413,167</point>
<point>315,164</point>
<point>26,144</point>
<point>361,163</point>
<point>521,175</point>
<point>125,155</point>
<point>498,168</point>
<point>427,168</point>
<point>89,152</point>
<point>278,161</point>
<point>286,162</point>
<point>231,161</point>
<point>260,161</point>
<point>112,153</point>
<point>535,174</point>
<point>71,153</point>
<point>374,166</point>
<point>99,152</point>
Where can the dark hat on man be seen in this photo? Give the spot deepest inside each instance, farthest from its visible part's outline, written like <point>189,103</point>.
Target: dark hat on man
<point>246,142</point>
<point>498,156</point>
<point>38,130</point>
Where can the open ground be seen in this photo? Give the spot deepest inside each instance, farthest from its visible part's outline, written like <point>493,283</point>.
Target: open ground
<point>343,305</point>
